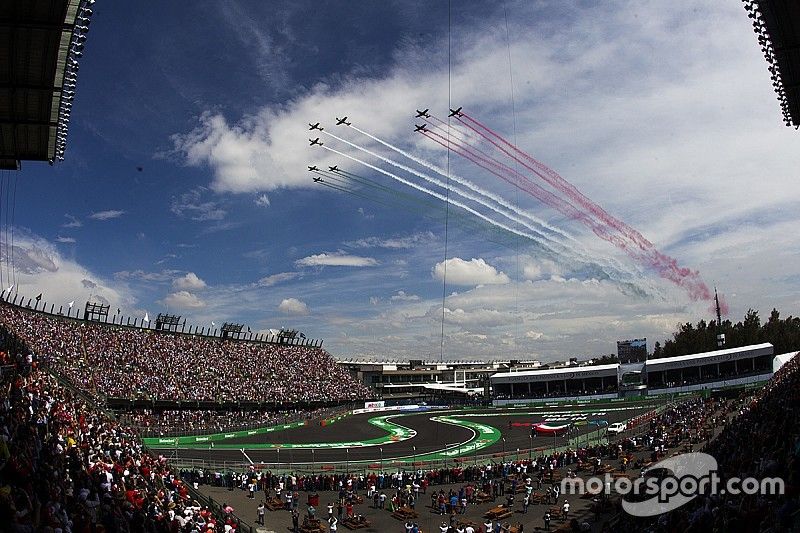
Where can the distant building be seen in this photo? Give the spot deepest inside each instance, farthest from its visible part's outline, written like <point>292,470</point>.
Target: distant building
<point>632,351</point>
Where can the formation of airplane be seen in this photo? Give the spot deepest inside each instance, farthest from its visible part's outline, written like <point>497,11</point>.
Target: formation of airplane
<point>455,112</point>
<point>334,168</point>
<point>340,121</point>
<point>315,126</point>
<point>312,142</point>
<point>313,168</point>
<point>318,179</point>
<point>423,114</point>
<point>417,127</point>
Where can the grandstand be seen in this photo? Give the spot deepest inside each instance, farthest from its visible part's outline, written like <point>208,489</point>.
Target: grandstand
<point>720,368</point>
<point>731,367</point>
<point>589,382</point>
<point>142,367</point>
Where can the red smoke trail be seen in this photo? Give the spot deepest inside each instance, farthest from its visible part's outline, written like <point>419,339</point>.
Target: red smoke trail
<point>522,182</point>
<point>666,266</point>
<point>556,181</point>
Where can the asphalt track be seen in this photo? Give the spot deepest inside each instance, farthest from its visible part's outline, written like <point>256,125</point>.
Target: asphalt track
<point>424,436</point>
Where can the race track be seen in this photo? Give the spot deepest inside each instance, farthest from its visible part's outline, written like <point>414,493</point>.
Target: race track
<point>403,437</point>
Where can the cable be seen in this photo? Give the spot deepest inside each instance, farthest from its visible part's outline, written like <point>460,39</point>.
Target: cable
<point>447,190</point>
<point>516,165</point>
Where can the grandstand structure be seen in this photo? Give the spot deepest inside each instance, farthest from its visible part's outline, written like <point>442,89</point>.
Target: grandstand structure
<point>418,379</point>
<point>719,369</point>
<point>40,42</point>
<point>777,27</point>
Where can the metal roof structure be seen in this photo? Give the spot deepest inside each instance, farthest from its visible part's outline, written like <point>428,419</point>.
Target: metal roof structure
<point>567,372</point>
<point>777,25</point>
<point>707,358</point>
<point>40,43</point>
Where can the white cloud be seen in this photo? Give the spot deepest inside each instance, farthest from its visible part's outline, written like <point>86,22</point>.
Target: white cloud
<point>189,282</point>
<point>293,306</point>
<point>183,300</point>
<point>191,205</point>
<point>262,201</point>
<point>393,243</point>
<point>73,222</point>
<point>106,215</point>
<point>141,275</point>
<point>477,318</point>
<point>363,213</point>
<point>66,240</point>
<point>535,335</point>
<point>401,296</point>
<point>472,272</point>
<point>336,259</point>
<point>40,267</point>
<point>374,300</point>
<point>539,269</point>
<point>274,279</point>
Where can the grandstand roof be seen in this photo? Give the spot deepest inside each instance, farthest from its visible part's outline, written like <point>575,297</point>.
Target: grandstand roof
<point>557,373</point>
<point>777,24</point>
<point>35,38</point>
<point>717,356</point>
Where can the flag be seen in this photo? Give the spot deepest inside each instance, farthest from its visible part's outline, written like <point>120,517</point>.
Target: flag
<point>71,304</point>
<point>212,323</point>
<point>39,298</point>
<point>302,336</point>
<point>146,318</point>
<point>9,289</point>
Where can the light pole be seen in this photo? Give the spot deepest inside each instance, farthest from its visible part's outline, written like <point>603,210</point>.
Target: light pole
<point>504,449</point>
<point>347,464</point>
<point>381,449</point>
<point>414,458</point>
<point>313,463</point>
<point>278,465</point>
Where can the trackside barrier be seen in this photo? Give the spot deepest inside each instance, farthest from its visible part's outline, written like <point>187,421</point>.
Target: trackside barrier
<point>215,437</point>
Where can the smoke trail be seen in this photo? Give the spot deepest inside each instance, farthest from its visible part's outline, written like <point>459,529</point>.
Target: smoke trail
<point>557,255</point>
<point>555,180</point>
<point>666,266</point>
<point>540,237</point>
<point>468,184</point>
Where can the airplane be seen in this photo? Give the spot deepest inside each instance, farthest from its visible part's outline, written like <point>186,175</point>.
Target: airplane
<point>340,121</point>
<point>334,168</point>
<point>313,169</point>
<point>417,127</point>
<point>318,179</point>
<point>455,112</point>
<point>423,114</point>
<point>315,126</point>
<point>314,141</point>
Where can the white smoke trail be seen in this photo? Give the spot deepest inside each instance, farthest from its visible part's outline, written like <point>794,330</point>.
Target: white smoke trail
<point>564,253</point>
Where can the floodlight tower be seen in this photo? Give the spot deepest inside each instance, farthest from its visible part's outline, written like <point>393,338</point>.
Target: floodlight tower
<point>720,335</point>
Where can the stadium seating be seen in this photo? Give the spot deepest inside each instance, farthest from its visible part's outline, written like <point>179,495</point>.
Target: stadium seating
<point>131,363</point>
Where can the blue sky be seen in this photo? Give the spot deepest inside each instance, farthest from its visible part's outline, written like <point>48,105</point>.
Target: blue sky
<point>663,116</point>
